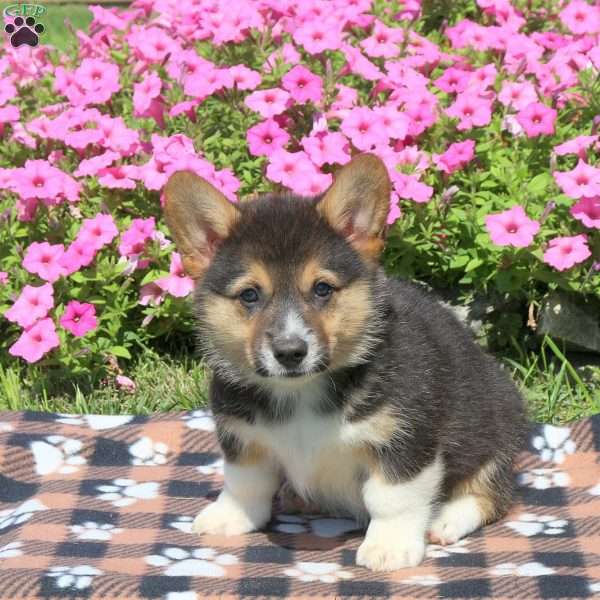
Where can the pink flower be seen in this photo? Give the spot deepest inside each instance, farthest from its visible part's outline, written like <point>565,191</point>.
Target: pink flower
<point>38,179</point>
<point>99,231</point>
<point>583,180</point>
<point>266,137</point>
<point>581,17</point>
<point>395,122</point>
<point>323,147</point>
<point>245,78</point>
<point>43,259</point>
<point>145,92</point>
<point>363,126</point>
<point>410,188</point>
<point>91,166</point>
<point>117,178</point>
<point>565,252</point>
<point>32,304</point>
<point>517,95</point>
<point>453,80</point>
<point>288,167</point>
<point>384,41</point>
<point>512,228</point>
<point>394,212</point>
<point>151,294</point>
<point>133,240</point>
<point>79,318</point>
<point>471,109</point>
<point>268,103</point>
<point>587,210</point>
<point>312,185</point>
<point>78,254</point>
<point>537,119</point>
<point>456,156</point>
<point>36,341</point>
<point>125,383</point>
<point>577,145</point>
<point>317,36</point>
<point>303,85</point>
<point>3,277</point>
<point>177,284</point>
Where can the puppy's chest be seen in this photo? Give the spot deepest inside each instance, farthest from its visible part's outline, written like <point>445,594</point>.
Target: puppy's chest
<point>320,455</point>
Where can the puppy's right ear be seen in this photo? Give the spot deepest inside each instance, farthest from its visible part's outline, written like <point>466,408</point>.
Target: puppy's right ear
<point>199,217</point>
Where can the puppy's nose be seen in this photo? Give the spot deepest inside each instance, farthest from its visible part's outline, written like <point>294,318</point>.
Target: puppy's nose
<point>289,351</point>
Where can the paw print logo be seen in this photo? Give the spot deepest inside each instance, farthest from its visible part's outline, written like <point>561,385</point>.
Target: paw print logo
<point>201,562</point>
<point>148,453</point>
<point>73,578</point>
<point>554,443</point>
<point>530,524</point>
<point>542,479</point>
<point>313,571</point>
<point>57,454</point>
<point>436,551</point>
<point>22,513</point>
<point>213,468</point>
<point>11,550</point>
<point>183,523</point>
<point>530,569</point>
<point>24,31</point>
<point>124,492</point>
<point>91,530</point>
<point>200,419</point>
<point>426,580</point>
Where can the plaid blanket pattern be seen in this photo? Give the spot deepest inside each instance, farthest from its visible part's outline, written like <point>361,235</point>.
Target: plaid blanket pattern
<point>101,507</point>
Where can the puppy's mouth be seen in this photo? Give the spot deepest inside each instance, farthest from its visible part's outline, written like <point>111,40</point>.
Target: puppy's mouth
<point>282,373</point>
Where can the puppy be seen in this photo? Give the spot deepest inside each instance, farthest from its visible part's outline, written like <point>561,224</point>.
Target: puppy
<point>364,393</point>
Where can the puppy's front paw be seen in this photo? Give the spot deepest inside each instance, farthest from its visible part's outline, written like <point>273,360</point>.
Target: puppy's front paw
<point>226,517</point>
<point>390,552</point>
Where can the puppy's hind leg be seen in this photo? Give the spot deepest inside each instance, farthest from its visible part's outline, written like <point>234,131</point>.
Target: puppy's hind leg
<point>472,503</point>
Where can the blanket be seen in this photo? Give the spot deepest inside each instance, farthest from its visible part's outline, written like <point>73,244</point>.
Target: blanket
<point>102,506</point>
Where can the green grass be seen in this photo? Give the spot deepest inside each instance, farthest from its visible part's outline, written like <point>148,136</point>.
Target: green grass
<point>56,32</point>
<point>556,391</point>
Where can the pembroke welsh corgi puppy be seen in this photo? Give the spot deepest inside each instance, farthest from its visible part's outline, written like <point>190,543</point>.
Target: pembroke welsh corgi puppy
<point>364,393</point>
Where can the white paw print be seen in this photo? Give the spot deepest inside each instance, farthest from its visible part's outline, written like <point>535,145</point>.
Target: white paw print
<point>57,454</point>
<point>5,427</point>
<point>75,578</point>
<point>321,526</point>
<point>214,468</point>
<point>595,587</point>
<point>437,551</point>
<point>542,479</point>
<point>530,524</point>
<point>428,580</point>
<point>554,444</point>
<point>183,523</point>
<point>95,531</point>
<point>530,569</point>
<point>595,491</point>
<point>124,492</point>
<point>200,419</point>
<point>96,422</point>
<point>323,572</point>
<point>20,514</point>
<point>148,453</point>
<point>201,562</point>
<point>11,550</point>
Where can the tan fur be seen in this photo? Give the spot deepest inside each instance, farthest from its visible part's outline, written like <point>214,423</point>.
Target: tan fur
<point>481,486</point>
<point>357,204</point>
<point>344,319</point>
<point>199,217</point>
<point>313,272</point>
<point>257,275</point>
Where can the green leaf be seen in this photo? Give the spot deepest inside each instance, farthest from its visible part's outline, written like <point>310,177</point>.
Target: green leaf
<point>119,351</point>
<point>459,261</point>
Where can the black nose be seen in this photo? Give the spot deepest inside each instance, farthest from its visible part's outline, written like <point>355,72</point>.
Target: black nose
<point>289,351</point>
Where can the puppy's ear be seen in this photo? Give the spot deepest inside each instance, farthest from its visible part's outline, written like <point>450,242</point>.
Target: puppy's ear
<point>199,217</point>
<point>357,203</point>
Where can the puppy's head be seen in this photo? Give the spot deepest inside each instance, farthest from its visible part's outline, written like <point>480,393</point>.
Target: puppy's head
<point>285,285</point>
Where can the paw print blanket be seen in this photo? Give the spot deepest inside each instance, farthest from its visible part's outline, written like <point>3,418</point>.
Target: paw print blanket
<point>102,506</point>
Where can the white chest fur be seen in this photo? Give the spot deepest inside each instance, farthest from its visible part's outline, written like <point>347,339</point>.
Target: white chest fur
<point>322,456</point>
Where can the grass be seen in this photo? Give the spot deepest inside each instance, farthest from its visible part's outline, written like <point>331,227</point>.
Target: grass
<point>555,389</point>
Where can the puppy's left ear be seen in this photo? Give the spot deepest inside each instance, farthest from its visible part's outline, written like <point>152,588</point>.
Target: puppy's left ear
<point>357,204</point>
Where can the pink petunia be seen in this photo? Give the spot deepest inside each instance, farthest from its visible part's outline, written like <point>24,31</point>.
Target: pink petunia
<point>582,181</point>
<point>312,185</point>
<point>286,167</point>
<point>39,179</point>
<point>133,240</point>
<point>36,341</point>
<point>581,17</point>
<point>455,157</point>
<point>537,119</point>
<point>512,227</point>
<point>78,254</point>
<point>578,145</point>
<point>303,85</point>
<point>517,95</point>
<point>384,41</point>
<point>151,294</point>
<point>43,259</point>
<point>3,277</point>
<point>245,78</point>
<point>472,110</point>
<point>177,283</point>
<point>587,210</point>
<point>317,36</point>
<point>396,123</point>
<point>363,126</point>
<point>325,147</point>
<point>117,178</point>
<point>33,303</point>
<point>453,80</point>
<point>79,318</point>
<point>268,103</point>
<point>99,231</point>
<point>565,252</point>
<point>266,137</point>
<point>125,383</point>
<point>91,166</point>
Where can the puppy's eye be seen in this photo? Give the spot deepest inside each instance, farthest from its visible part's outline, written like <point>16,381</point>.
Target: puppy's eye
<point>322,289</point>
<point>249,296</point>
